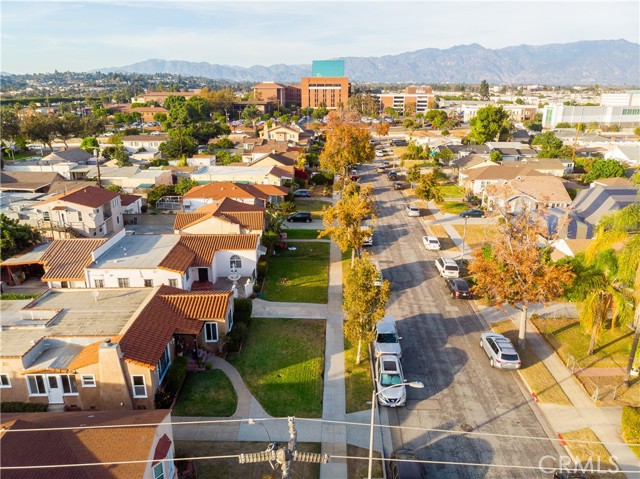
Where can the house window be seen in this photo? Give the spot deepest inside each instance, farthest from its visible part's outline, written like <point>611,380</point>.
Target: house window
<point>45,216</point>
<point>88,381</point>
<point>148,283</point>
<point>99,283</point>
<point>187,275</point>
<point>79,215</point>
<point>235,262</point>
<point>158,471</point>
<point>69,384</point>
<point>164,363</point>
<point>36,385</point>
<point>139,386</point>
<point>230,319</point>
<point>5,382</point>
<point>118,219</point>
<point>211,332</point>
<point>173,283</point>
<point>64,284</point>
<point>123,282</point>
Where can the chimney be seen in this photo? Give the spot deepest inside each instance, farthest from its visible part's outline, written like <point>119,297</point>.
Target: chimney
<point>114,383</point>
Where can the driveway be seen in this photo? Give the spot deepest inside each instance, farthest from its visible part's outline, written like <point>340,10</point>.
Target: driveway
<point>441,348</point>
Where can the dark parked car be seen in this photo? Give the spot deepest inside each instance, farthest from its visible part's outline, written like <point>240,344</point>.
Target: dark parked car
<point>300,217</point>
<point>302,193</point>
<point>405,470</point>
<point>398,142</point>
<point>392,177</point>
<point>459,288</point>
<point>475,213</point>
<point>399,185</point>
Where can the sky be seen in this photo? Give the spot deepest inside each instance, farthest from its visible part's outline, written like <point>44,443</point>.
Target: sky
<point>38,37</point>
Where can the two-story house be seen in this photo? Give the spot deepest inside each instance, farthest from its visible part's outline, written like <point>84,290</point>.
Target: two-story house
<point>84,212</point>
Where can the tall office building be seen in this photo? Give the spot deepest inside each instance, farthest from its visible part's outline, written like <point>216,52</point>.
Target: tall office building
<point>327,86</point>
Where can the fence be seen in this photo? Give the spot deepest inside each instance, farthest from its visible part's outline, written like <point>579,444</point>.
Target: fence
<point>598,391</point>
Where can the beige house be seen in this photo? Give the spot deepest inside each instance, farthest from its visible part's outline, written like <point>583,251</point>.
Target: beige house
<point>89,437</point>
<point>282,133</point>
<point>526,193</point>
<point>55,352</point>
<point>226,217</point>
<point>477,179</point>
<point>209,193</point>
<point>84,212</point>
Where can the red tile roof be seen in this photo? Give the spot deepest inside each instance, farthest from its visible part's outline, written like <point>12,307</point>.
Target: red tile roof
<point>77,446</point>
<point>88,355</point>
<point>246,215</point>
<point>90,196</point>
<point>171,310</point>
<point>222,189</point>
<point>66,259</point>
<point>126,199</point>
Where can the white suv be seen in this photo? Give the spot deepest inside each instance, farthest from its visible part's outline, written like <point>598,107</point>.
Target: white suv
<point>431,243</point>
<point>501,352</point>
<point>412,210</point>
<point>387,339</point>
<point>447,268</point>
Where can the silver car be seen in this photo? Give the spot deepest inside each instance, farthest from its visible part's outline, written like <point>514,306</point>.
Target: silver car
<point>387,339</point>
<point>390,382</point>
<point>501,352</point>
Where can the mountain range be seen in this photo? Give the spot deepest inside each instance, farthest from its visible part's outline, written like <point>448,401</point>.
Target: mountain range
<point>606,62</point>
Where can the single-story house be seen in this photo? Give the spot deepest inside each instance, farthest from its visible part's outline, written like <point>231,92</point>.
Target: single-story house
<point>226,217</point>
<point>526,193</point>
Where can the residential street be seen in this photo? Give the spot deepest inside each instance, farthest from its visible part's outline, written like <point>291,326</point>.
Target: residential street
<point>441,348</point>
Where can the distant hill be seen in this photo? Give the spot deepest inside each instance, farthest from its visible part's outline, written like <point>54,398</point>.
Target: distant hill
<point>606,62</point>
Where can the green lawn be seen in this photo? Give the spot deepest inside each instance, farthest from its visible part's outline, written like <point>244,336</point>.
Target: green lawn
<point>206,393</point>
<point>315,207</point>
<point>357,378</point>
<point>300,276</point>
<point>451,191</point>
<point>301,234</point>
<point>566,336</point>
<point>453,207</point>
<point>282,363</point>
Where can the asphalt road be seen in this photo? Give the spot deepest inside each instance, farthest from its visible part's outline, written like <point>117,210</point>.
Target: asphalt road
<point>441,348</point>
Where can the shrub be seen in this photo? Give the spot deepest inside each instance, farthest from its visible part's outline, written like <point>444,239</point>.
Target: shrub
<point>242,310</point>
<point>22,407</point>
<point>322,178</point>
<point>176,375</point>
<point>15,296</point>
<point>208,366</point>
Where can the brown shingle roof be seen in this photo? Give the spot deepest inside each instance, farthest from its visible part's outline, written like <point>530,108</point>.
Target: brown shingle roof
<point>171,310</point>
<point>90,196</point>
<point>77,446</point>
<point>126,199</point>
<point>499,172</point>
<point>27,180</point>
<point>66,259</point>
<point>246,215</point>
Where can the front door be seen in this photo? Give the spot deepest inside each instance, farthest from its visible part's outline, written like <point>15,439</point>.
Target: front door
<point>54,389</point>
<point>203,274</point>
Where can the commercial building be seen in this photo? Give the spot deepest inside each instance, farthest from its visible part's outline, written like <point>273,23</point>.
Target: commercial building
<point>327,87</point>
<point>416,99</point>
<point>622,116</point>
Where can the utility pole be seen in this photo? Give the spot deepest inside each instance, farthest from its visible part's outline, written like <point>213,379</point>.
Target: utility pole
<point>281,457</point>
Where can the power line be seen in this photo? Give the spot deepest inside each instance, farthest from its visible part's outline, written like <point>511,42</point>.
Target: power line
<point>251,421</point>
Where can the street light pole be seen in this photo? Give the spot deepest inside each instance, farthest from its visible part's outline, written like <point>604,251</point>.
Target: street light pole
<point>412,384</point>
<point>464,238</point>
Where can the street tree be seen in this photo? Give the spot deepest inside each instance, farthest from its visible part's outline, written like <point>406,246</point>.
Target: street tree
<point>410,124</point>
<point>89,144</point>
<point>346,145</point>
<point>364,103</point>
<point>392,112</point>
<point>15,236</point>
<point>484,90</point>
<point>179,144</point>
<point>428,188</point>
<point>41,128</point>
<point>381,129</point>
<point>605,168</point>
<point>490,123</point>
<point>68,126</point>
<point>363,302</point>
<point>513,269</point>
<point>10,124</point>
<point>342,221</point>
<point>437,118</point>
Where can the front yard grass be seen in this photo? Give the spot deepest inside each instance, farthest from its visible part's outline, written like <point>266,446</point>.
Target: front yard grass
<point>453,207</point>
<point>206,393</point>
<point>478,235</point>
<point>567,337</point>
<point>585,452</point>
<point>302,234</point>
<point>446,243</point>
<point>230,469</point>
<point>451,191</point>
<point>631,427</point>
<point>357,378</point>
<point>299,276</point>
<point>282,363</point>
<point>535,373</point>
<point>314,207</point>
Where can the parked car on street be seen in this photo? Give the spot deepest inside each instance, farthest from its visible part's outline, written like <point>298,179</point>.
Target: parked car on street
<point>404,469</point>
<point>302,193</point>
<point>399,185</point>
<point>390,382</point>
<point>431,243</point>
<point>412,210</point>
<point>447,268</point>
<point>459,288</point>
<point>368,240</point>
<point>387,339</point>
<point>474,213</point>
<point>502,354</point>
<point>354,176</point>
<point>379,153</point>
<point>392,176</point>
<point>300,217</point>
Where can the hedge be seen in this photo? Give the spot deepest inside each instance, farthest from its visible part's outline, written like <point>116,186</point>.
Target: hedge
<point>242,310</point>
<point>22,407</point>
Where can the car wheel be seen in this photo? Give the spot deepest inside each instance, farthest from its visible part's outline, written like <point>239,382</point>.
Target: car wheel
<point>453,296</point>
<point>492,363</point>
<point>309,220</point>
<point>481,344</point>
<point>290,221</point>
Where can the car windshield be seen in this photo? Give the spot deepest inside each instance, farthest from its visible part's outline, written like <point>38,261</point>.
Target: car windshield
<point>510,357</point>
<point>451,268</point>
<point>387,338</point>
<point>387,379</point>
